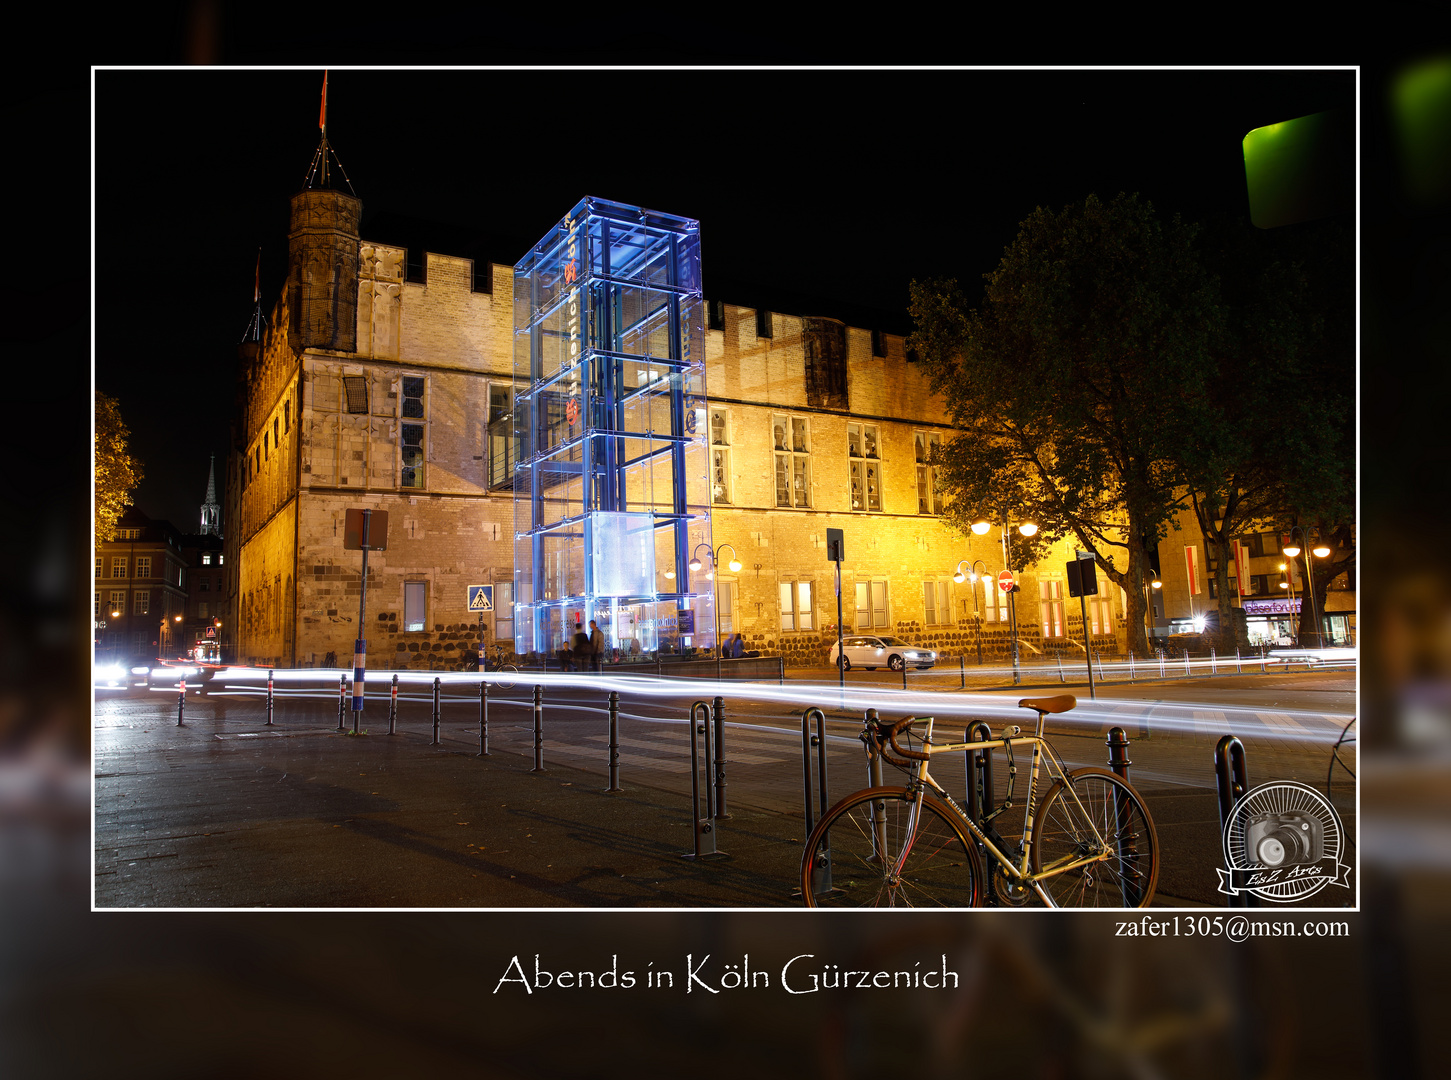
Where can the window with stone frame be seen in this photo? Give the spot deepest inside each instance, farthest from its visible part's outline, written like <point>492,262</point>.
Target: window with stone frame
<point>412,431</point>
<point>143,565</point>
<point>1050,608</point>
<point>118,566</point>
<point>98,605</point>
<point>791,444</point>
<point>720,456</point>
<point>929,486</point>
<point>936,603</point>
<point>864,463</point>
<point>1100,613</point>
<point>141,602</point>
<point>995,601</point>
<point>871,607</point>
<point>100,563</point>
<point>797,610</point>
<point>118,602</point>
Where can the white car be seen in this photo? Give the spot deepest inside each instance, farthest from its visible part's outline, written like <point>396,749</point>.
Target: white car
<point>874,652</point>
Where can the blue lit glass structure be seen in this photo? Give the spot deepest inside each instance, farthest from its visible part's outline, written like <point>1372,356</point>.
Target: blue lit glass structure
<point>610,480</point>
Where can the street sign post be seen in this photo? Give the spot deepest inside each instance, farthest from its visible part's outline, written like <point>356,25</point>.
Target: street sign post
<point>1083,583</point>
<point>365,531</point>
<point>835,552</point>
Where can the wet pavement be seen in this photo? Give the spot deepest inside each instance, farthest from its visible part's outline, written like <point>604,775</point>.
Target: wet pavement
<point>224,812</point>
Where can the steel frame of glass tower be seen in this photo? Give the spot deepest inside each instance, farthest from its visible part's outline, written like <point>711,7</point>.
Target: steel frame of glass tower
<point>611,496</point>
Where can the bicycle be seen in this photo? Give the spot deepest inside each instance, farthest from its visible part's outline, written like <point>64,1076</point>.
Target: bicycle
<point>507,672</point>
<point>1089,843</point>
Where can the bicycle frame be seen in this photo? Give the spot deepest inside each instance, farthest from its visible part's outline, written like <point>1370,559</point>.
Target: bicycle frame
<point>920,778</point>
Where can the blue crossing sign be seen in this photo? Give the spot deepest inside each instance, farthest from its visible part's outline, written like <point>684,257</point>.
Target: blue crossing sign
<point>481,598</point>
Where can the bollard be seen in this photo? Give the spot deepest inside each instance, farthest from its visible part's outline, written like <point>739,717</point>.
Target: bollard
<point>1231,780</point>
<point>1213,667</point>
<point>718,714</point>
<point>1060,668</point>
<point>904,673</point>
<point>393,706</point>
<point>614,742</point>
<point>1131,665</point>
<point>538,730</point>
<point>342,699</point>
<point>1237,670</point>
<point>1161,663</point>
<point>1130,883</point>
<point>1186,662</point>
<point>821,873</point>
<point>269,701</point>
<point>781,671</point>
<point>1100,667</point>
<point>181,702</point>
<point>436,710</point>
<point>704,827</point>
<point>483,718</point>
<point>962,670</point>
<point>1264,659</point>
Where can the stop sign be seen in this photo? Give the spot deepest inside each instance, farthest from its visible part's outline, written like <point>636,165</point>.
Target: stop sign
<point>1006,581</point>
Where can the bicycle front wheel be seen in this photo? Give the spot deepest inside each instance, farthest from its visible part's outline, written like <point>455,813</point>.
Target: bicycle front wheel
<point>854,857</point>
<point>507,674</point>
<point>1095,838</point>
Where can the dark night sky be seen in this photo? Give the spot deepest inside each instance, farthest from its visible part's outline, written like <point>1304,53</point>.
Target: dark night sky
<point>844,185</point>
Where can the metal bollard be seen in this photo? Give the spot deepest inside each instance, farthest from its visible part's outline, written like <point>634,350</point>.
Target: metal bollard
<point>181,702</point>
<point>704,827</point>
<point>393,706</point>
<point>821,873</point>
<point>1231,780</point>
<point>1237,669</point>
<point>436,709</point>
<point>1100,667</point>
<point>1161,663</point>
<point>483,718</point>
<point>904,673</point>
<point>1213,666</point>
<point>1060,668</point>
<point>1131,665</point>
<point>342,699</point>
<point>269,701</point>
<point>1264,659</point>
<point>1131,882</point>
<point>962,671</point>
<point>614,742</point>
<point>538,730</point>
<point>1186,663</point>
<point>781,671</point>
<point>718,715</point>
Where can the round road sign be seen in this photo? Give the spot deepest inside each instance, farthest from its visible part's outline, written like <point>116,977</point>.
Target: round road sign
<point>1006,581</point>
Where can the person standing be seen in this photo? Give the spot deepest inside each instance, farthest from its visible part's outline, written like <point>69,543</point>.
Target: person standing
<point>596,647</point>
<point>580,648</point>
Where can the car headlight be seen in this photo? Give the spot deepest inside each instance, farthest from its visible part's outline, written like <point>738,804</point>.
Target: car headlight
<point>108,672</point>
<point>141,670</point>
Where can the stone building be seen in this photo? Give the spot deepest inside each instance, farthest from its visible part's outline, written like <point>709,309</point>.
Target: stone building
<point>384,379</point>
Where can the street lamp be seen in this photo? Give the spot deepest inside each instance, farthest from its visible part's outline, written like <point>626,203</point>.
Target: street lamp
<point>1321,550</point>
<point>1149,603</point>
<point>1027,528</point>
<point>735,567</point>
<point>972,575</point>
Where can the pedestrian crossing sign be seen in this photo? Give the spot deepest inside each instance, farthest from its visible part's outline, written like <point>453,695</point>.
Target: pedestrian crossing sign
<point>481,598</point>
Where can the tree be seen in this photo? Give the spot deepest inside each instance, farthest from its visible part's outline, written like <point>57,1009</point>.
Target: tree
<point>1077,381</point>
<point>1278,444</point>
<point>117,472</point>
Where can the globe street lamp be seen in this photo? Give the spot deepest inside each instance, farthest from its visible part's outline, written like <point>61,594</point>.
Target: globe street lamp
<point>735,568</point>
<point>1027,528</point>
<point>1321,550</point>
<point>972,575</point>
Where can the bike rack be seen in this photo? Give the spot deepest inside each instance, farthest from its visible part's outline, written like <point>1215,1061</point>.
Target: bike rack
<point>269,700</point>
<point>704,828</point>
<point>483,718</point>
<point>393,706</point>
<point>538,730</point>
<point>718,716</point>
<point>614,742</point>
<point>979,772</point>
<point>1231,780</point>
<point>820,875</point>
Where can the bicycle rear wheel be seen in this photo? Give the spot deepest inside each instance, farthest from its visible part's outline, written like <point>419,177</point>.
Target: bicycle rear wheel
<point>1100,817</point>
<point>852,855</point>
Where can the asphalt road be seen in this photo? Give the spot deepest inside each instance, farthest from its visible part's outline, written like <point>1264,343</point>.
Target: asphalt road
<point>224,812</point>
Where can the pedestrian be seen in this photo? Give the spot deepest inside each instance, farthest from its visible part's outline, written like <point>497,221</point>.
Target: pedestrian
<point>738,647</point>
<point>596,647</point>
<point>581,648</point>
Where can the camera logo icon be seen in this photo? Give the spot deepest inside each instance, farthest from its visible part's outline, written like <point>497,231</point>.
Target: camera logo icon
<point>1283,842</point>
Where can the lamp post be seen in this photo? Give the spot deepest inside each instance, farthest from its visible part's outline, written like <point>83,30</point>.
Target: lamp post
<point>1027,528</point>
<point>1289,583</point>
<point>972,575</point>
<point>735,567</point>
<point>1149,602</point>
<point>1321,550</point>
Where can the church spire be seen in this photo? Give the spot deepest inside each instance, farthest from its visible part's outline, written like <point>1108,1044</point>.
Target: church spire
<point>211,511</point>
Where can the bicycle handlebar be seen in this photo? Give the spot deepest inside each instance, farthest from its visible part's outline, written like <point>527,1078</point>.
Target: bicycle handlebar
<point>903,725</point>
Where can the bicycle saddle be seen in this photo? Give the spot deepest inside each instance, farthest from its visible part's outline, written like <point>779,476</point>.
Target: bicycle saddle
<point>1061,703</point>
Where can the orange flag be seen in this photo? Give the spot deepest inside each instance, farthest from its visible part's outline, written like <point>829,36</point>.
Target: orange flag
<point>322,113</point>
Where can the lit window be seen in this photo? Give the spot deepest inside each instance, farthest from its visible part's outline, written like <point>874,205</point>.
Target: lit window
<point>206,560</point>
<point>414,613</point>
<point>1050,608</point>
<point>1100,613</point>
<point>937,607</point>
<point>118,603</point>
<point>791,436</point>
<point>929,483</point>
<point>720,455</point>
<point>796,609</point>
<point>871,605</point>
<point>865,465</point>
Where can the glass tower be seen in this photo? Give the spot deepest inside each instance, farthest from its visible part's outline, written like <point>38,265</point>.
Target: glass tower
<point>611,496</point>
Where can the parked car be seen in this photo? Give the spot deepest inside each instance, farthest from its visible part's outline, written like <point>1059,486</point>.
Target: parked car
<point>874,652</point>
